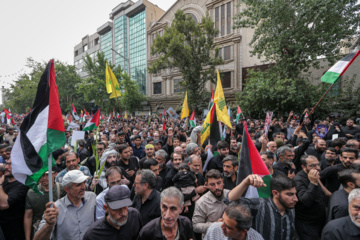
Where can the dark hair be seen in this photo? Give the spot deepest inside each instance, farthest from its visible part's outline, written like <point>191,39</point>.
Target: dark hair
<point>111,170</point>
<point>222,144</point>
<point>304,157</point>
<point>338,142</point>
<point>241,214</point>
<point>121,133</point>
<point>281,183</point>
<point>276,134</point>
<point>149,162</point>
<point>81,142</point>
<point>184,166</point>
<point>8,149</point>
<point>251,130</point>
<point>3,146</point>
<point>268,155</point>
<point>299,140</point>
<point>137,137</point>
<point>351,150</point>
<point>147,176</point>
<point>212,173</point>
<point>122,147</point>
<point>346,176</point>
<point>102,143</point>
<point>331,149</point>
<point>231,158</point>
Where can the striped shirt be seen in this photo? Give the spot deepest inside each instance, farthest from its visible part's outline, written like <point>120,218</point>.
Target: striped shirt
<point>268,221</point>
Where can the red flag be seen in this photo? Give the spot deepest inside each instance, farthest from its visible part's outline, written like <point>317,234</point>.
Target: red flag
<point>7,113</point>
<point>12,122</point>
<point>164,126</point>
<point>73,108</point>
<point>86,113</point>
<point>69,118</point>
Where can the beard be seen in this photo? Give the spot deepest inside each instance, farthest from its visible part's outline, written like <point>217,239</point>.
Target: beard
<point>110,164</point>
<point>227,174</point>
<point>284,203</point>
<point>353,219</point>
<point>116,222</point>
<point>217,194</point>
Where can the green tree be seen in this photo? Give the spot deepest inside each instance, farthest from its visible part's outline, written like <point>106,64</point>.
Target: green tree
<point>20,96</point>
<point>131,97</point>
<point>267,91</point>
<point>294,33</point>
<point>190,48</point>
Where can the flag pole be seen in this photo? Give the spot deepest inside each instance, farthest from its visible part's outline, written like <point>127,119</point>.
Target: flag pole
<point>313,109</point>
<point>50,178</point>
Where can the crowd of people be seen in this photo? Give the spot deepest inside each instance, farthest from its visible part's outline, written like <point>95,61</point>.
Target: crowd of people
<point>141,179</point>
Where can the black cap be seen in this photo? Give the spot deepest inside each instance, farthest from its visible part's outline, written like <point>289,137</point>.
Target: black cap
<point>157,141</point>
<point>118,197</point>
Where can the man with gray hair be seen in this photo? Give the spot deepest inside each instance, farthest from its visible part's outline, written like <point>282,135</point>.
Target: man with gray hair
<point>71,215</point>
<point>346,227</point>
<point>236,224</point>
<point>171,224</point>
<point>161,156</point>
<point>147,198</point>
<point>192,148</point>
<point>285,163</point>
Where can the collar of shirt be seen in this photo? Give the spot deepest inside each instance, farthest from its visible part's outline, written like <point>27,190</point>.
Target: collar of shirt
<point>68,202</point>
<point>276,208</point>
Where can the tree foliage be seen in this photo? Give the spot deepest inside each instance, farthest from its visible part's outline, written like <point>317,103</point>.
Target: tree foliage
<point>21,95</point>
<point>190,48</point>
<point>93,87</point>
<point>294,33</point>
<point>267,91</point>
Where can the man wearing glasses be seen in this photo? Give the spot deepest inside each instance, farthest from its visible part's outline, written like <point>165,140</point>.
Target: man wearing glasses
<point>310,213</point>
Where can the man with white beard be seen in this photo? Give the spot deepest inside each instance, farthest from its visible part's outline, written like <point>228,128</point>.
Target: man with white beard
<point>345,227</point>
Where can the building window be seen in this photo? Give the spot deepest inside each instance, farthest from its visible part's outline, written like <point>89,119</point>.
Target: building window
<point>227,53</point>
<point>177,86</point>
<point>217,19</point>
<point>85,48</point>
<point>96,41</point>
<point>228,18</point>
<point>193,17</point>
<point>223,19</point>
<point>226,79</point>
<point>157,88</point>
<point>76,53</point>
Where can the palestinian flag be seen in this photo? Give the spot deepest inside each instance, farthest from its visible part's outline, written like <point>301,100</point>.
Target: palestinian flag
<point>238,114</point>
<point>193,119</point>
<point>41,133</point>
<point>93,123</point>
<point>250,162</point>
<point>69,118</point>
<point>81,116</point>
<point>336,71</point>
<point>118,115</point>
<point>73,112</point>
<point>86,113</point>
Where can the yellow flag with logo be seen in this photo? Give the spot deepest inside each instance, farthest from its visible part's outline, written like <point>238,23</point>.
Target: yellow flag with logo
<point>219,100</point>
<point>112,84</point>
<point>206,127</point>
<point>125,116</point>
<point>185,108</point>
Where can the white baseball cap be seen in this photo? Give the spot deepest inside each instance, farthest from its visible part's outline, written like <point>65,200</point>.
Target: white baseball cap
<point>74,176</point>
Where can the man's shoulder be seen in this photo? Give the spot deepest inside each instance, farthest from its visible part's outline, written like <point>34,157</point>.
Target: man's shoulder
<point>338,223</point>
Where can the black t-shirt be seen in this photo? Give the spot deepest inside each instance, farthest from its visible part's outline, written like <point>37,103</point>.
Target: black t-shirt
<point>12,219</point>
<point>101,229</point>
<point>150,209</point>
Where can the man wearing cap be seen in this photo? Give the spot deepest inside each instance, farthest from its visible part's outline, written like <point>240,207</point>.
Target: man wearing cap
<point>70,216</point>
<point>121,220</point>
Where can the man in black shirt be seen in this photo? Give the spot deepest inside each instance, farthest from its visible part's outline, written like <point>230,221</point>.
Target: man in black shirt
<point>350,130</point>
<point>338,207</point>
<point>346,227</point>
<point>318,149</point>
<point>129,163</point>
<point>170,225</point>
<point>216,162</point>
<point>329,176</point>
<point>147,198</point>
<point>121,220</point>
<point>12,204</point>
<point>330,157</point>
<point>285,163</point>
<point>230,165</point>
<point>310,211</point>
<point>176,159</point>
<point>154,166</point>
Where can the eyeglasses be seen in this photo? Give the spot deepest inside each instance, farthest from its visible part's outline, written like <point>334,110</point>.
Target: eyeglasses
<point>100,149</point>
<point>314,165</point>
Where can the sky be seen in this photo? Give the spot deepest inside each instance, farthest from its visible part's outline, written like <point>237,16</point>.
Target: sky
<point>44,30</point>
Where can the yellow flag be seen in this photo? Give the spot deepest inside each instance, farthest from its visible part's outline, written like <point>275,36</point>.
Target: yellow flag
<point>112,84</point>
<point>206,127</point>
<point>219,100</point>
<point>185,108</point>
<point>131,117</point>
<point>125,115</point>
